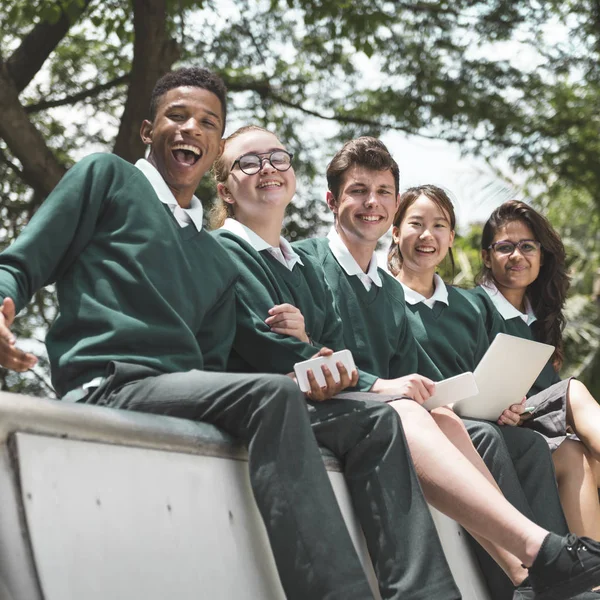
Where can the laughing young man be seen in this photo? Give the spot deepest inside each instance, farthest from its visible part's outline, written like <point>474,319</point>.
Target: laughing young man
<point>146,318</point>
<point>363,182</point>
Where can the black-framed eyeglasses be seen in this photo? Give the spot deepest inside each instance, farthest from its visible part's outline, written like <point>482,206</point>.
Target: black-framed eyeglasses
<point>252,163</point>
<point>506,247</point>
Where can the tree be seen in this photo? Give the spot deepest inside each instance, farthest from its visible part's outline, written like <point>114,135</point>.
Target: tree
<point>76,75</point>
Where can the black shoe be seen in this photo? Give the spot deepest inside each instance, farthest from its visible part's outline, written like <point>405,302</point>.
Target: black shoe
<point>524,591</point>
<point>565,567</point>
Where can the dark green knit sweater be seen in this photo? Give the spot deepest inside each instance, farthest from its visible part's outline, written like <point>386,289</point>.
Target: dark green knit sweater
<point>265,282</point>
<point>453,336</point>
<point>495,323</point>
<point>132,285</point>
<point>375,326</point>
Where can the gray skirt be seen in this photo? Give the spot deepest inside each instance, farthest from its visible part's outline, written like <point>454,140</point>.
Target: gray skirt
<point>550,415</point>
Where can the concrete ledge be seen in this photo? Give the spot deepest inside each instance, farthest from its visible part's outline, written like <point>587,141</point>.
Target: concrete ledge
<point>121,427</point>
<point>99,503</point>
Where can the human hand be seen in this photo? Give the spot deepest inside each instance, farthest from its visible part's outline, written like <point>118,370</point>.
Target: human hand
<point>10,356</point>
<point>287,320</point>
<point>515,414</point>
<point>331,388</point>
<point>416,387</point>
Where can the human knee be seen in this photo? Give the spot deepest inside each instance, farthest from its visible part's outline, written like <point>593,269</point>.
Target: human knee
<point>484,432</point>
<point>579,396</point>
<point>451,424</point>
<point>276,394</point>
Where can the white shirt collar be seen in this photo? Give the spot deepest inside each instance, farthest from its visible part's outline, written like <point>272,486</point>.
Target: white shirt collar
<point>285,254</point>
<point>349,264</point>
<point>194,212</point>
<point>440,294</point>
<point>505,308</point>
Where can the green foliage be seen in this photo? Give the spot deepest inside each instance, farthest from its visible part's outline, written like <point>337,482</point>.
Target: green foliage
<point>319,72</point>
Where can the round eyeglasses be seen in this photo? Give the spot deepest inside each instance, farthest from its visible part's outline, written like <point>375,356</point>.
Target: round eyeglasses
<point>506,248</point>
<point>252,163</point>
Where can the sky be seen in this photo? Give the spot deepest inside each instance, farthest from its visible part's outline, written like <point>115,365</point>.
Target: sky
<point>475,189</point>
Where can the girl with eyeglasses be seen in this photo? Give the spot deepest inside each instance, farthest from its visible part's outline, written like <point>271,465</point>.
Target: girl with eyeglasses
<point>449,324</point>
<point>522,292</point>
<point>285,313</point>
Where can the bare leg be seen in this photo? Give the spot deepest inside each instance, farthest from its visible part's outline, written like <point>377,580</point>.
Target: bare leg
<point>456,488</point>
<point>583,416</point>
<point>578,488</point>
<point>453,428</point>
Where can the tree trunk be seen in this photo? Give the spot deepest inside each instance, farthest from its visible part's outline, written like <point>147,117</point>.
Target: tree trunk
<point>154,52</point>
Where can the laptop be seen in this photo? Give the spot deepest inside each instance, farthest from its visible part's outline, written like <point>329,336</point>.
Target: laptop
<point>504,375</point>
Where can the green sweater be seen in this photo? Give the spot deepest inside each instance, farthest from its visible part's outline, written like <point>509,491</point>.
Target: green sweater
<point>265,282</point>
<point>375,326</point>
<point>453,336</point>
<point>495,323</point>
<point>132,285</point>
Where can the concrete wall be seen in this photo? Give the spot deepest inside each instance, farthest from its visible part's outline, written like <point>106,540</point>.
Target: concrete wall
<point>104,504</point>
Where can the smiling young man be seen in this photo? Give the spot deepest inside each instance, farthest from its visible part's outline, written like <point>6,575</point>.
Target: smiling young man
<point>147,314</point>
<point>363,182</point>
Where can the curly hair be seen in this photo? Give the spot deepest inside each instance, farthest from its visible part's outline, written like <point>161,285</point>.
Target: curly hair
<point>548,293</point>
<point>220,209</point>
<point>189,77</point>
<point>407,199</point>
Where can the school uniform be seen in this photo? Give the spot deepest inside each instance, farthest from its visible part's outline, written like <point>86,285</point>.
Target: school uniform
<point>358,427</point>
<point>548,394</point>
<point>146,322</point>
<point>371,307</point>
<point>454,337</point>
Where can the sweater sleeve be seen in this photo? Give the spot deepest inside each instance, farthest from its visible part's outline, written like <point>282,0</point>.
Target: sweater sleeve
<point>258,346</point>
<point>59,230</point>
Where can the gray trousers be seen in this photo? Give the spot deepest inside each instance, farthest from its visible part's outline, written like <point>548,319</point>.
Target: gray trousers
<point>313,551</point>
<point>521,463</point>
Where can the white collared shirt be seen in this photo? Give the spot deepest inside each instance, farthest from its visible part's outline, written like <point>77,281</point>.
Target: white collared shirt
<point>505,308</point>
<point>440,294</point>
<point>285,254</point>
<point>194,213</point>
<point>349,264</point>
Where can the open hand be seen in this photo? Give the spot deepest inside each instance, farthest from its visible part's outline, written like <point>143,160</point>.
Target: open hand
<point>10,356</point>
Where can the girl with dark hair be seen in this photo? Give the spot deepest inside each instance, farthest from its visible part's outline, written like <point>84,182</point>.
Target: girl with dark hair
<point>522,291</point>
<point>450,327</point>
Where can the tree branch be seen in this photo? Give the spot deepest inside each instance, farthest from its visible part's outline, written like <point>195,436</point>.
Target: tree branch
<point>37,45</point>
<point>265,90</point>
<point>154,53</point>
<point>83,95</point>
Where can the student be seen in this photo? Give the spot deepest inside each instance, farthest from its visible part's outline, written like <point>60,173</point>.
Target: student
<point>363,181</point>
<point>285,311</point>
<point>147,314</point>
<point>443,318</point>
<point>523,288</point>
